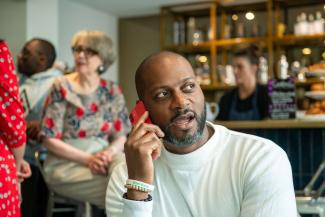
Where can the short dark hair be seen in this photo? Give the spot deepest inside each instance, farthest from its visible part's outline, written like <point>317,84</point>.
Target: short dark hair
<point>47,48</point>
<point>251,53</point>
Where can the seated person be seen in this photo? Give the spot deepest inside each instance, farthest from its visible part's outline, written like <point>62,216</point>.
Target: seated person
<point>85,122</point>
<point>35,63</point>
<point>249,101</point>
<point>182,165</point>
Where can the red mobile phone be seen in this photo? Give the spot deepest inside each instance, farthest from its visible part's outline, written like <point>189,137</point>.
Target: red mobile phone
<point>137,112</point>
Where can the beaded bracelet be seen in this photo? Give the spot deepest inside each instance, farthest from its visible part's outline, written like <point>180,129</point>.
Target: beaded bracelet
<point>139,186</point>
<point>149,198</point>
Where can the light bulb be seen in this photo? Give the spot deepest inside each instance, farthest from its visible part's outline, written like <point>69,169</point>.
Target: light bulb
<point>249,16</point>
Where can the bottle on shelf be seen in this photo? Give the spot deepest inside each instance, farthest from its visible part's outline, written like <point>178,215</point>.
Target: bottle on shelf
<point>190,30</point>
<point>179,31</point>
<point>302,25</point>
<point>318,23</point>
<point>282,68</point>
<point>296,26</point>
<point>311,24</point>
<point>262,72</point>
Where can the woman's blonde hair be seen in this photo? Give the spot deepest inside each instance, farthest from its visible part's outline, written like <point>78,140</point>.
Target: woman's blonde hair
<point>99,42</point>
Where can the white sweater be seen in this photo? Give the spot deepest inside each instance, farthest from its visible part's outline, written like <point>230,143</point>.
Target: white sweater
<point>232,175</point>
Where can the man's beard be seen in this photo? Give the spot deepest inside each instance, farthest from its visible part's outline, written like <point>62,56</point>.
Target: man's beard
<point>187,140</point>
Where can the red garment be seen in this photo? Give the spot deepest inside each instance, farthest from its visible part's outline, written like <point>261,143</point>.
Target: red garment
<point>12,134</point>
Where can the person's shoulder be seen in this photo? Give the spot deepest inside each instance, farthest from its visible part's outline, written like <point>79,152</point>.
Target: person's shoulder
<point>61,81</point>
<point>255,146</point>
<point>227,98</point>
<point>262,90</point>
<point>104,83</point>
<point>229,94</point>
<point>113,88</point>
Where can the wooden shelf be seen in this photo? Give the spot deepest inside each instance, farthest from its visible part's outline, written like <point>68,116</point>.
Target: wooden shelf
<point>191,48</point>
<point>217,16</point>
<point>298,3</point>
<point>216,87</point>
<point>224,87</point>
<point>309,81</point>
<point>272,124</point>
<point>239,41</point>
<point>202,46</point>
<point>294,39</point>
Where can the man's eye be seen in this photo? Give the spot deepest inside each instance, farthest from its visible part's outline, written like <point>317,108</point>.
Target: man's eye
<point>162,94</point>
<point>189,87</point>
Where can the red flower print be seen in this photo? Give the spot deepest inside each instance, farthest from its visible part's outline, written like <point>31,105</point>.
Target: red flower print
<point>118,125</point>
<point>58,135</point>
<point>80,112</point>
<point>111,90</point>
<point>120,89</point>
<point>93,107</point>
<point>103,83</point>
<point>63,92</point>
<point>49,123</point>
<point>105,127</point>
<point>82,133</point>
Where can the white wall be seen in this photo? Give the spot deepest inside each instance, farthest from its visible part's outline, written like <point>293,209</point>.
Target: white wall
<point>56,21</point>
<point>42,20</point>
<point>74,17</point>
<point>12,24</point>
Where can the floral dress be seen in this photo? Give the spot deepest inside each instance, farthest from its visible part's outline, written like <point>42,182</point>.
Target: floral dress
<point>12,134</point>
<point>69,115</point>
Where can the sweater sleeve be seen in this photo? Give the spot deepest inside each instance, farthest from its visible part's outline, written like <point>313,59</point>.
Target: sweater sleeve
<point>268,185</point>
<point>116,205</point>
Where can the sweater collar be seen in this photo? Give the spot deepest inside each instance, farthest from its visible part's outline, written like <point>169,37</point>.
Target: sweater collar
<point>198,157</point>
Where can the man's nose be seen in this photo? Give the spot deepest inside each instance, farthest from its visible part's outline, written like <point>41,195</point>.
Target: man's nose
<point>179,101</point>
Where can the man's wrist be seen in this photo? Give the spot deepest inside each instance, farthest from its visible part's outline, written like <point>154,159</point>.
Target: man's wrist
<point>136,195</point>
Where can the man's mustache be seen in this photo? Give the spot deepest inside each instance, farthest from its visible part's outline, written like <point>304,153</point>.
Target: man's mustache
<point>180,112</point>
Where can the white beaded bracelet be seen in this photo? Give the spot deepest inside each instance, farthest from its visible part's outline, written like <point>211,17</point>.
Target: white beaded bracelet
<point>138,186</point>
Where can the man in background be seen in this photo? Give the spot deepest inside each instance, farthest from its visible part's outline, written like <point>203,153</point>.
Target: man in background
<point>35,63</point>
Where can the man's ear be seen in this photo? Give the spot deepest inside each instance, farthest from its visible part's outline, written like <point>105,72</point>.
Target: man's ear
<point>255,68</point>
<point>42,60</point>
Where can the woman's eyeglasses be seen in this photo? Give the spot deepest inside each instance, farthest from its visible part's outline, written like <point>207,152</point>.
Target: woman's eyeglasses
<point>88,52</point>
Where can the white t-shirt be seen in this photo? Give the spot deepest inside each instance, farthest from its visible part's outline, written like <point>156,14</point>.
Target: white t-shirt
<point>231,175</point>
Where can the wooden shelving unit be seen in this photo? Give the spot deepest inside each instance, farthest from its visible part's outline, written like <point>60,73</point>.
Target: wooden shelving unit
<point>294,39</point>
<point>216,14</point>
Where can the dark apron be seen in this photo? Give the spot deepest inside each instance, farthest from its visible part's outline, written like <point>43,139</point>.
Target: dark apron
<point>252,114</point>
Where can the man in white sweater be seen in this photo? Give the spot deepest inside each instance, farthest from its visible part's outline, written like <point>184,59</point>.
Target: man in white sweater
<point>197,169</point>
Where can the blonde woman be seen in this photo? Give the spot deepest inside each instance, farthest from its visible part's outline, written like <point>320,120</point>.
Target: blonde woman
<point>85,122</point>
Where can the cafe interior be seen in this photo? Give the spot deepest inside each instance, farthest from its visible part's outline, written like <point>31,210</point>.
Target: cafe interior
<point>285,37</point>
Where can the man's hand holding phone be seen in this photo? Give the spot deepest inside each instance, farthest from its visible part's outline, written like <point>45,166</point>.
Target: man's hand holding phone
<point>142,147</point>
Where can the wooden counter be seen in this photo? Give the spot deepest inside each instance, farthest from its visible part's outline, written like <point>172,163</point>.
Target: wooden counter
<point>272,124</point>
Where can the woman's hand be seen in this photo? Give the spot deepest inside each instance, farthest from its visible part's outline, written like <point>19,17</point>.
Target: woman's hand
<point>23,170</point>
<point>107,155</point>
<point>97,165</point>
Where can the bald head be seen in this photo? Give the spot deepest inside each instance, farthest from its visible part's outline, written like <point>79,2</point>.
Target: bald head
<point>154,62</point>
